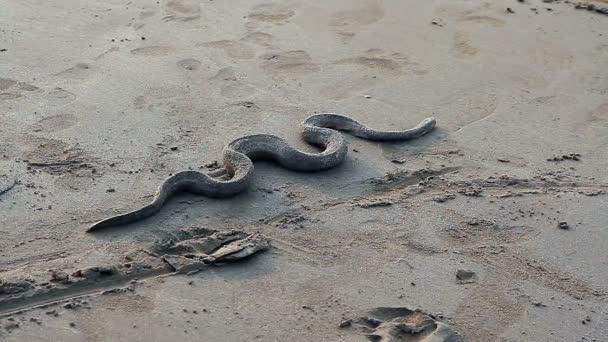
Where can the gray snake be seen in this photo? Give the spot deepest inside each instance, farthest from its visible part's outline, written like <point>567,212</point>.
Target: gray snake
<point>319,130</point>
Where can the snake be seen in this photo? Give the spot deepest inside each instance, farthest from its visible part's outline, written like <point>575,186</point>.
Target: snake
<point>322,130</point>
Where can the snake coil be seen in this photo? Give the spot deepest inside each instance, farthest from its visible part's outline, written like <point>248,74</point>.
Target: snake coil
<point>320,130</point>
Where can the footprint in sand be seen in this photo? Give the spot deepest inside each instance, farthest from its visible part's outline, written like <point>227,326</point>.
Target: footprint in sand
<point>480,21</point>
<point>268,15</point>
<point>158,98</point>
<point>230,85</point>
<point>374,67</point>
<point>59,97</point>
<point>288,63</point>
<point>6,83</point>
<point>555,57</point>
<point>182,10</point>
<point>599,116</point>
<point>258,38</point>
<point>73,167</point>
<point>55,123</point>
<point>271,13</point>
<point>472,231</point>
<point>80,71</point>
<point>463,47</point>
<point>12,89</point>
<point>146,14</point>
<point>190,64</point>
<point>347,22</point>
<point>237,90</point>
<point>153,51</point>
<point>376,59</point>
<point>139,102</point>
<point>232,48</point>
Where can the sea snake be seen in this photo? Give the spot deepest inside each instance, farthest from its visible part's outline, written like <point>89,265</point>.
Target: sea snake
<point>320,130</point>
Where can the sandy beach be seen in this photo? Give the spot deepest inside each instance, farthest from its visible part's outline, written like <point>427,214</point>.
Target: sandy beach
<point>493,225</point>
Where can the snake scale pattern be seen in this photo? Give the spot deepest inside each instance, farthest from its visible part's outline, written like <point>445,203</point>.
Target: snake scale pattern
<point>321,130</point>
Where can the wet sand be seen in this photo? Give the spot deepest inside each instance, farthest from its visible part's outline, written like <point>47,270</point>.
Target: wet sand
<point>99,102</point>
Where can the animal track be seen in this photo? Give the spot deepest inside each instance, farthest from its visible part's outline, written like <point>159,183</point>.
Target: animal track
<point>462,48</point>
<point>599,116</point>
<point>259,38</point>
<point>232,48</point>
<point>474,231</point>
<point>372,68</point>
<point>272,13</point>
<point>469,20</point>
<point>55,123</point>
<point>376,59</point>
<point>79,71</point>
<point>189,64</point>
<point>59,97</point>
<point>11,89</point>
<point>182,10</point>
<point>146,14</point>
<point>348,22</point>
<point>369,14</point>
<point>153,51</point>
<point>288,62</point>
<point>230,85</point>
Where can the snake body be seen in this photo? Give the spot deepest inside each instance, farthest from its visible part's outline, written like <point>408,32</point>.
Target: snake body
<point>320,130</point>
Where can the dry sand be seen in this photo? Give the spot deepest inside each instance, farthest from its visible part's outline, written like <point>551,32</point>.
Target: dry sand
<point>101,100</point>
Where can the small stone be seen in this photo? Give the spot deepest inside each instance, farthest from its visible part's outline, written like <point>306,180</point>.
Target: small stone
<point>509,10</point>
<point>345,323</point>
<point>60,277</point>
<point>375,204</point>
<point>563,225</point>
<point>465,276</point>
<point>173,148</point>
<point>72,324</point>
<point>110,190</point>
<point>11,326</point>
